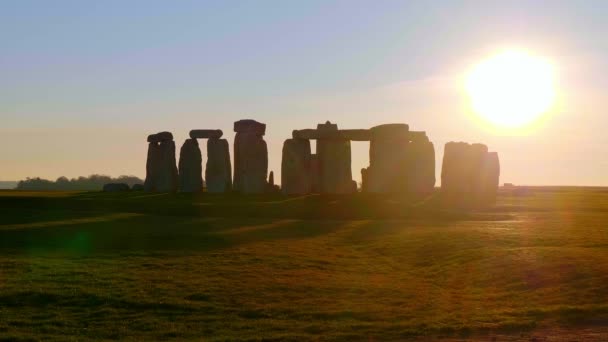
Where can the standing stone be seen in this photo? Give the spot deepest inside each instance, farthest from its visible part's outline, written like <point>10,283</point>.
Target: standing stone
<point>167,180</point>
<point>421,167</point>
<point>296,167</point>
<point>335,173</point>
<point>469,175</point>
<point>364,180</point>
<point>250,157</point>
<point>455,173</point>
<point>477,156</point>
<point>490,178</point>
<point>219,169</point>
<point>190,167</point>
<point>390,158</point>
<point>152,166</point>
<point>315,187</point>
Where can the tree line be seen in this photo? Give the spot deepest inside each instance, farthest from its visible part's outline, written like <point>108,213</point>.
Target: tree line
<point>92,182</point>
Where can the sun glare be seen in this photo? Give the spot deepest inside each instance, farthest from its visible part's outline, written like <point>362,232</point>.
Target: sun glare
<point>512,89</point>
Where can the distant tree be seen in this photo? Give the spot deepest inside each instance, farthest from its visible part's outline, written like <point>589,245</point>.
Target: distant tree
<point>93,182</point>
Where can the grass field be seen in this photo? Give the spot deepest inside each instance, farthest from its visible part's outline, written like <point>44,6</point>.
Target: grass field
<point>153,267</point>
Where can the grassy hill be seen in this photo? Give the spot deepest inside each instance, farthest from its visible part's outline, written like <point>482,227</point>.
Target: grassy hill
<point>159,266</point>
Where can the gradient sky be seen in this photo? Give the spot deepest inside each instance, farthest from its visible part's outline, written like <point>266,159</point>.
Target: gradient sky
<point>82,83</point>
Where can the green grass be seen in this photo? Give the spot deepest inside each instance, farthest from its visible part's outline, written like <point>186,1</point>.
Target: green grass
<point>153,267</point>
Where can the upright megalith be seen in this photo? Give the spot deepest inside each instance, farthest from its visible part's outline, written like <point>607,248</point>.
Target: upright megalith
<point>421,164</point>
<point>389,156</point>
<point>190,167</point>
<point>469,175</point>
<point>161,168</point>
<point>490,178</point>
<point>315,186</point>
<point>152,166</point>
<point>218,172</point>
<point>334,161</point>
<point>250,157</point>
<point>296,167</point>
<point>167,180</point>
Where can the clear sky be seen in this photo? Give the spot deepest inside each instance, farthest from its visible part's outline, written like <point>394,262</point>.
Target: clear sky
<point>82,83</point>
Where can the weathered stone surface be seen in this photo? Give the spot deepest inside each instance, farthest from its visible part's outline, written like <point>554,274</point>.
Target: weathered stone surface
<point>250,162</point>
<point>152,165</point>
<point>389,159</point>
<point>389,131</point>
<point>469,175</point>
<point>490,178</point>
<point>315,186</point>
<point>115,187</point>
<point>455,172</point>
<point>364,180</point>
<point>327,126</point>
<point>421,167</point>
<point>167,180</point>
<point>219,169</point>
<point>190,167</point>
<point>271,178</point>
<point>335,174</point>
<point>250,126</point>
<point>206,133</point>
<point>160,137</point>
<point>343,134</point>
<point>417,136</point>
<point>296,167</point>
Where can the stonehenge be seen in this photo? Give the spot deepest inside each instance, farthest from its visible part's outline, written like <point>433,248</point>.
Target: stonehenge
<point>161,170</point>
<point>250,157</point>
<point>469,175</point>
<point>400,161</point>
<point>162,174</point>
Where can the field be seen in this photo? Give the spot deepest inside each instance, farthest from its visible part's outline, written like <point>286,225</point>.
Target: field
<point>140,266</point>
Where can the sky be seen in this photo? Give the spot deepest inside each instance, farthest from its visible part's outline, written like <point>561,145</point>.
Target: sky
<point>83,83</point>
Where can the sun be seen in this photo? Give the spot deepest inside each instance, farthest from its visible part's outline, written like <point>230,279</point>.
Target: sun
<point>512,89</point>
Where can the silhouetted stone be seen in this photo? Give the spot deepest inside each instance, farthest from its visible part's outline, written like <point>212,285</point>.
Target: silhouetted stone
<point>389,159</point>
<point>270,186</point>
<point>335,174</point>
<point>389,131</point>
<point>490,178</point>
<point>152,165</point>
<point>477,156</point>
<point>160,137</point>
<point>295,167</point>
<point>115,187</point>
<point>250,126</point>
<point>219,170</point>
<point>250,157</point>
<point>421,166</point>
<point>167,172</point>
<point>364,180</point>
<point>343,134</point>
<point>315,187</point>
<point>469,175</point>
<point>190,167</point>
<point>137,187</point>
<point>206,133</point>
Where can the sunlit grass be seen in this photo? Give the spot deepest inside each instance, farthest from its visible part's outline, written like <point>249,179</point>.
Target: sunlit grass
<point>152,277</point>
